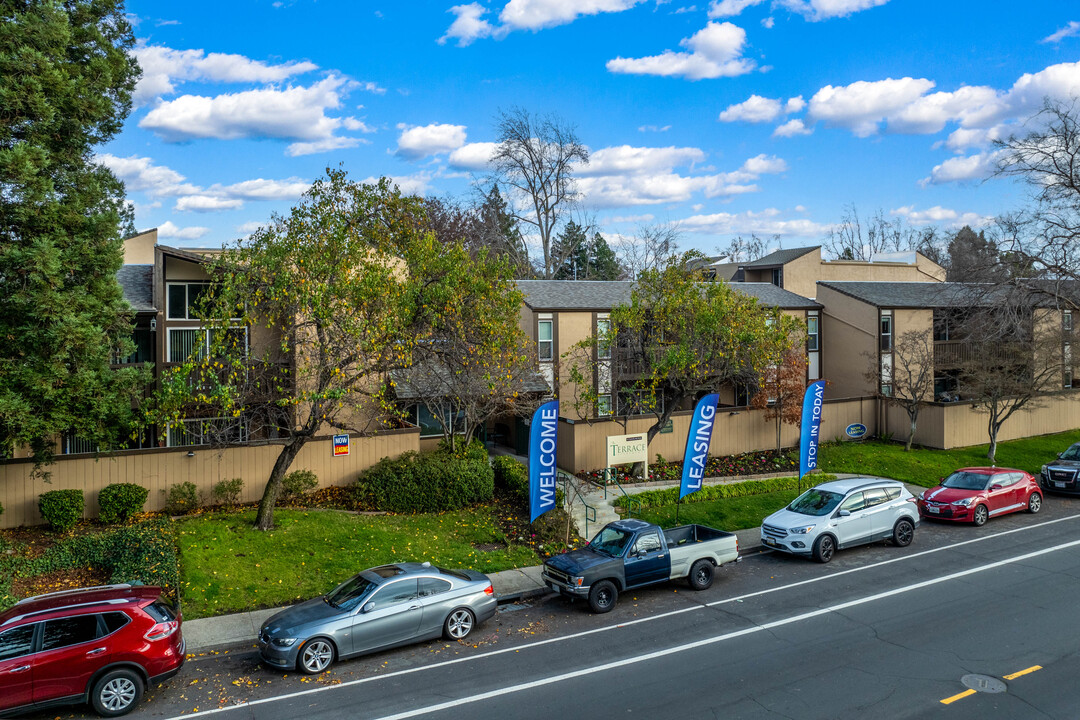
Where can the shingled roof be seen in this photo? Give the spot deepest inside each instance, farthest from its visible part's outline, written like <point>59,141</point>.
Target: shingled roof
<point>919,294</point>
<point>602,295</point>
<point>780,257</point>
<point>137,282</point>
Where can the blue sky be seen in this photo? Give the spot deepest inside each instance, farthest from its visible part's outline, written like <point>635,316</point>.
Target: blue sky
<point>727,117</point>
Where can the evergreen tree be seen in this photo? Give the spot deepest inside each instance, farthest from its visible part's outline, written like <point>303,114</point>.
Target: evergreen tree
<point>502,233</point>
<point>603,263</point>
<point>973,258</point>
<point>570,253</point>
<point>66,77</point>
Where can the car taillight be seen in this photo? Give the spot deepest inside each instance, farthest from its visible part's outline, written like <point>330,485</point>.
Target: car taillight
<point>162,630</point>
<point>489,590</point>
<point>913,499</point>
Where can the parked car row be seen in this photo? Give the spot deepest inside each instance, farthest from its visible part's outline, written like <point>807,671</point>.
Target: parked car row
<point>105,645</point>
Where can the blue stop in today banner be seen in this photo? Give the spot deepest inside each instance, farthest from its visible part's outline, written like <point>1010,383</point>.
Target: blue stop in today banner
<point>810,435</point>
<point>697,444</point>
<point>543,434</point>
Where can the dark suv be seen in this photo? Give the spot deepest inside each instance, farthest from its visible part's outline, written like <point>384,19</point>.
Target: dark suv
<point>100,645</point>
<point>1061,474</point>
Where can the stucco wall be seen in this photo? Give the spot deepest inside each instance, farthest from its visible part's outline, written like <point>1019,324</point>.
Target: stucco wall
<point>849,340</point>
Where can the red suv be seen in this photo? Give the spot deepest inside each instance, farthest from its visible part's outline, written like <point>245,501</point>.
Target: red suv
<point>100,645</point>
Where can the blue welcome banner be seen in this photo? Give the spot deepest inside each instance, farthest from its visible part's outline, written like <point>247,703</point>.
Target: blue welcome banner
<point>542,438</point>
<point>811,427</point>
<point>697,444</point>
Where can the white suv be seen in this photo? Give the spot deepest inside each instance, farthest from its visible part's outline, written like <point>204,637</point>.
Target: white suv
<point>840,514</point>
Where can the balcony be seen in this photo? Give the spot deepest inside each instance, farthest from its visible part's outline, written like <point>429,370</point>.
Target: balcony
<point>957,353</point>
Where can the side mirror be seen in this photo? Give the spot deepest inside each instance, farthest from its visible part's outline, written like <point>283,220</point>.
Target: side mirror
<point>995,486</point>
<point>844,513</point>
<point>368,607</point>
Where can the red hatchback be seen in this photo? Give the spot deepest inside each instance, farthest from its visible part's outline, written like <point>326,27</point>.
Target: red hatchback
<point>977,494</point>
<point>101,645</point>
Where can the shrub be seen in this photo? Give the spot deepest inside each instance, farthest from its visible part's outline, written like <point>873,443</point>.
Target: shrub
<point>62,509</point>
<point>227,492</point>
<point>120,502</point>
<point>669,496</point>
<point>431,482</point>
<point>511,477</point>
<point>182,498</point>
<point>1,508</point>
<point>298,482</point>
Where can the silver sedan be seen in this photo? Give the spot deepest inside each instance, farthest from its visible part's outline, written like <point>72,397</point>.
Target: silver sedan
<point>380,608</point>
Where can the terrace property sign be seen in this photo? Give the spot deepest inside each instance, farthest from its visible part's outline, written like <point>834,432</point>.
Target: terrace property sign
<point>623,449</point>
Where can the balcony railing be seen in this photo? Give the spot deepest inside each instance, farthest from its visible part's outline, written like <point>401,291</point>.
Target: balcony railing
<point>957,353</point>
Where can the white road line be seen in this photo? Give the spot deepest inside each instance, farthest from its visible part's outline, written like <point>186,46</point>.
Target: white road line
<point>719,638</point>
<point>606,628</point>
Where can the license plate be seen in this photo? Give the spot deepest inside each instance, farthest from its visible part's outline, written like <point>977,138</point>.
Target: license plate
<point>770,541</point>
<point>932,509</point>
<point>553,586</point>
<point>1059,483</point>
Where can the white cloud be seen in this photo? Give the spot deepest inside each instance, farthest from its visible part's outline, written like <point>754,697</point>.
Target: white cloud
<point>715,51</point>
<point>207,203</point>
<point>539,14</point>
<point>815,10</point>
<point>960,169</point>
<point>260,189</point>
<point>767,222</point>
<point>417,141</point>
<point>295,113</point>
<point>351,123</point>
<point>336,142</point>
<point>169,230</point>
<point>654,128</point>
<point>794,104</point>
<point>1070,30</point>
<point>468,25</point>
<point>140,174</point>
<point>754,109</point>
<point>473,156</point>
<point>862,106</point>
<point>961,139</point>
<point>730,8</point>
<point>792,128</point>
<point>646,218</point>
<point>938,215</point>
<point>768,22</point>
<point>764,165</point>
<point>627,159</point>
<point>163,68</point>
<point>416,184</point>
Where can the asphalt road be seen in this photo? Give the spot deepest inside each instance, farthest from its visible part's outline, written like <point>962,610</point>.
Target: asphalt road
<point>879,632</point>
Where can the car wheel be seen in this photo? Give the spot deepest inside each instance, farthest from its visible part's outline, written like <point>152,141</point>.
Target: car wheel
<point>701,575</point>
<point>315,656</point>
<point>459,624</point>
<point>1034,503</point>
<point>903,532</point>
<point>603,596</point>
<point>824,548</point>
<point>116,693</point>
<point>980,516</point>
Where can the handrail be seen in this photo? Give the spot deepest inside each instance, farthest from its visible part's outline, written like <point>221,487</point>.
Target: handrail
<point>630,501</point>
<point>573,486</point>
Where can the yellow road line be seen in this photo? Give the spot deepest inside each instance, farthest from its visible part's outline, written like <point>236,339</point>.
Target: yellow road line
<point>954,698</point>
<point>1017,674</point>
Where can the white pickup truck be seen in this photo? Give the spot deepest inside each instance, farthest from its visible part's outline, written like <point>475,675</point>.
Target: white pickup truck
<point>632,553</point>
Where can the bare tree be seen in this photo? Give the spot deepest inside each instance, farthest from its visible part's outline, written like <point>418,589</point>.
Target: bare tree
<point>1047,159</point>
<point>650,248</point>
<point>857,239</point>
<point>537,156</point>
<point>781,391</point>
<point>742,249</point>
<point>912,375</point>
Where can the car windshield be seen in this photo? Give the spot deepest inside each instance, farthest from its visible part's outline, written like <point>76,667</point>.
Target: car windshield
<point>815,502</point>
<point>1073,453</point>
<point>965,481</point>
<point>610,541</point>
<point>350,593</point>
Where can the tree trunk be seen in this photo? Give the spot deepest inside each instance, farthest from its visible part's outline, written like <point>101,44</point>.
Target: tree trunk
<point>993,428</point>
<point>264,520</point>
<point>778,434</point>
<point>911,431</point>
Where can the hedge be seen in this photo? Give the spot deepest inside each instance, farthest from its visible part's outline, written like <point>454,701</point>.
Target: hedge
<point>429,482</point>
<point>296,483</point>
<point>119,502</point>
<point>511,477</point>
<point>62,509</point>
<point>669,496</point>
<point>141,553</point>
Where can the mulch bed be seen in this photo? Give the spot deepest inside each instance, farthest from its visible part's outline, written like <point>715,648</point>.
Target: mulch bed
<point>59,580</point>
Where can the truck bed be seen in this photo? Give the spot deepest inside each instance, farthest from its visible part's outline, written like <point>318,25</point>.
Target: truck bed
<point>692,534</point>
<point>690,543</point>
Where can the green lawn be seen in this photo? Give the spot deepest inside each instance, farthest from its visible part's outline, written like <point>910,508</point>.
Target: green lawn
<point>726,514</point>
<point>924,466</point>
<point>227,566</point>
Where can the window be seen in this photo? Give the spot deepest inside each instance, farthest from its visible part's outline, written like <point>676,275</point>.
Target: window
<point>421,416</point>
<point>16,642</point>
<point>75,445</point>
<point>639,402</point>
<point>647,543</point>
<point>875,496</point>
<point>182,299</point>
<point>603,348</point>
<point>1066,321</point>
<point>63,632</point>
<point>812,333</point>
<point>1066,365</point>
<point>886,333</point>
<point>184,342</point>
<point>777,277</point>
<point>204,431</point>
<point>603,405</point>
<point>892,492</point>
<point>855,501</point>
<point>544,340</point>
<point>396,593</point>
<point>432,586</point>
<point>114,621</point>
<point>143,352</point>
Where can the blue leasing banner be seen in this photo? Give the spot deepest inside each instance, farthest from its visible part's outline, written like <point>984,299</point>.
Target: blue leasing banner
<point>811,427</point>
<point>542,438</point>
<point>697,444</point>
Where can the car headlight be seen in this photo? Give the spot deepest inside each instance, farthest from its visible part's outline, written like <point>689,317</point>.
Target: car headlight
<point>1043,470</point>
<point>963,502</point>
<point>801,530</point>
<point>283,642</point>
<point>576,581</point>
<point>922,495</point>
